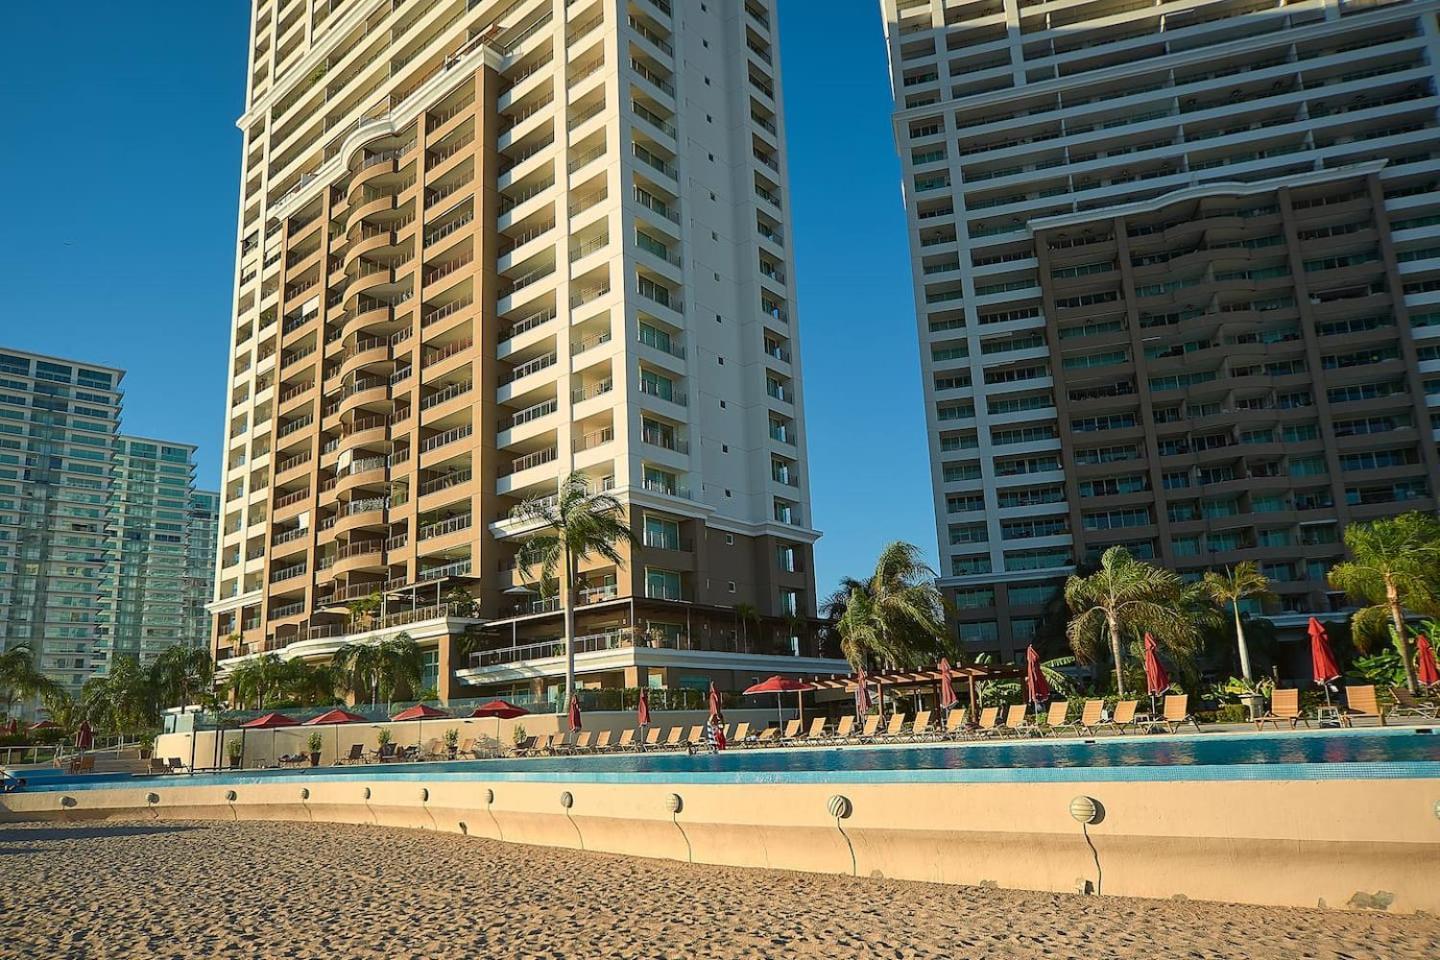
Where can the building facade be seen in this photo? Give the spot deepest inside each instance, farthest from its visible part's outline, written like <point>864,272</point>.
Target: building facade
<point>202,529</point>
<point>58,423</point>
<point>1178,276</point>
<point>483,245</point>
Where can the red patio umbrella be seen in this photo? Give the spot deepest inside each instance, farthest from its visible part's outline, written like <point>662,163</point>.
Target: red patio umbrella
<point>947,686</point>
<point>574,713</point>
<point>1157,681</point>
<point>1425,667</point>
<point>12,727</point>
<point>642,709</point>
<point>419,713</point>
<point>1322,658</point>
<point>714,699</point>
<point>271,722</point>
<point>1035,680</point>
<point>335,718</point>
<point>862,694</point>
<point>43,725</point>
<point>500,710</point>
<point>84,736</point>
<point>781,686</point>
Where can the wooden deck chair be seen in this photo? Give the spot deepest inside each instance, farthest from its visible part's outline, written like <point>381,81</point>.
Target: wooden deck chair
<point>920,729</point>
<point>627,739</point>
<point>158,766</point>
<point>844,729</point>
<point>1016,719</point>
<point>954,725</point>
<point>1176,714</point>
<point>792,730</point>
<point>1409,705</point>
<point>1360,701</point>
<point>652,738</point>
<point>1055,717</point>
<point>1284,708</point>
<point>869,728</point>
<point>989,721</point>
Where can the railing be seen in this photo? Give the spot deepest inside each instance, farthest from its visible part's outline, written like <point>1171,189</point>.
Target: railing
<point>535,412</point>
<point>367,505</point>
<point>440,529</point>
<point>450,392</point>
<point>532,460</point>
<point>444,483</point>
<point>449,436</point>
<point>549,649</point>
<point>460,568</point>
<point>528,323</point>
<point>588,391</point>
<point>593,439</point>
<point>290,498</point>
<point>528,367</point>
<point>440,313</point>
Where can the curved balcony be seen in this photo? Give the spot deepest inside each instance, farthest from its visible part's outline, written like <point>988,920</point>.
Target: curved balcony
<point>368,513</point>
<point>364,472</point>
<point>362,316</point>
<point>374,206</point>
<point>362,392</point>
<point>363,350</point>
<point>364,555</point>
<point>366,430</point>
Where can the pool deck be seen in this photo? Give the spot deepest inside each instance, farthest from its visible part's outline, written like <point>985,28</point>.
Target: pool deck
<point>1355,834</point>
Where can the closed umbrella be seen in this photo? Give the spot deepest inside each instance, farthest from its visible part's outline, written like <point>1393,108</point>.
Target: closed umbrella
<point>419,713</point>
<point>1425,667</point>
<point>714,697</point>
<point>947,686</point>
<point>574,714</point>
<point>862,695</point>
<point>780,686</point>
<point>84,736</point>
<point>272,722</point>
<point>1157,681</point>
<point>1035,680</point>
<point>500,710</point>
<point>1322,658</point>
<point>333,718</point>
<point>642,711</point>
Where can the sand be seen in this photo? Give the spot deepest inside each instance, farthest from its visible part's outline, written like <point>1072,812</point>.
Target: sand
<point>156,890</point>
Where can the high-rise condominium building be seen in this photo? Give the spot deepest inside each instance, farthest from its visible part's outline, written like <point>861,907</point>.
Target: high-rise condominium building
<point>148,600</point>
<point>202,529</point>
<point>483,245</point>
<point>1178,275</point>
<point>58,422</point>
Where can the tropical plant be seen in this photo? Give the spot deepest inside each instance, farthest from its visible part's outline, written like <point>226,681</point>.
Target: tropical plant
<point>309,684</point>
<point>122,700</point>
<point>573,525</point>
<point>19,679</point>
<point>1394,564</point>
<point>258,679</point>
<point>1383,669</point>
<point>61,708</point>
<point>1244,581</point>
<point>315,742</point>
<point>380,669</point>
<point>746,614</point>
<point>995,693</point>
<point>896,617</point>
<point>452,738</point>
<point>363,611</point>
<point>383,736</point>
<point>179,672</point>
<point>1126,597</point>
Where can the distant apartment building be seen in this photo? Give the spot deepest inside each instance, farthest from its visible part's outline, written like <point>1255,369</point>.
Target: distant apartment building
<point>482,245</point>
<point>97,532</point>
<point>151,590</point>
<point>1178,274</point>
<point>58,423</point>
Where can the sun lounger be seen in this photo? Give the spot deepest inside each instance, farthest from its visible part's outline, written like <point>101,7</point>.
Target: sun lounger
<point>954,725</point>
<point>1284,708</point>
<point>769,737</point>
<point>1361,702</point>
<point>739,736</point>
<point>158,766</point>
<point>1124,716</point>
<point>919,727</point>
<point>177,765</point>
<point>1176,714</point>
<point>1017,720</point>
<point>816,733</point>
<point>792,731</point>
<point>696,736</point>
<point>1092,716</point>
<point>652,738</point>
<point>843,729</point>
<point>675,739</point>
<point>1409,705</point>
<point>869,728</point>
<point>627,740</point>
<point>895,729</point>
<point>356,754</point>
<point>1055,716</point>
<point>989,722</point>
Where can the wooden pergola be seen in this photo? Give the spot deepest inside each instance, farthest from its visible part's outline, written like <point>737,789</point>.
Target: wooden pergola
<point>910,679</point>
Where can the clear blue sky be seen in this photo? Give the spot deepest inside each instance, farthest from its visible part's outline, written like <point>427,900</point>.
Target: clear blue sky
<point>122,158</point>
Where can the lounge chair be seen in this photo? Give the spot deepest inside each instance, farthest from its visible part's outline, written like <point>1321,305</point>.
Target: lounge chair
<point>792,731</point>
<point>385,752</point>
<point>158,766</point>
<point>1284,707</point>
<point>895,729</point>
<point>436,750</point>
<point>843,729</point>
<point>919,727</point>
<point>83,764</point>
<point>869,728</point>
<point>1176,714</point>
<point>356,754</point>
<point>627,740</point>
<point>584,741</point>
<point>1124,716</point>
<point>954,725</point>
<point>1017,720</point>
<point>1092,717</point>
<point>989,722</point>
<point>1361,702</point>
<point>177,765</point>
<point>816,733</point>
<point>696,737</point>
<point>675,739</point>
<point>740,735</point>
<point>652,739</point>
<point>602,742</point>
<point>1055,717</point>
<point>1409,705</point>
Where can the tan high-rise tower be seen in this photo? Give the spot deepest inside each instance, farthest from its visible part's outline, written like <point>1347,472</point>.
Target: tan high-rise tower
<point>484,244</point>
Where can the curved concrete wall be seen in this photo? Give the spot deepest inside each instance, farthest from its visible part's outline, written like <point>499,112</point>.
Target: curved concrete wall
<point>1338,842</point>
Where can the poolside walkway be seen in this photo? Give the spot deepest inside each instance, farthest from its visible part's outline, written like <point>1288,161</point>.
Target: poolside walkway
<point>151,890</point>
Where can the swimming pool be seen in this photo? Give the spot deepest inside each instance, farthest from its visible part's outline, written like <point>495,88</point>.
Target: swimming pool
<point>1405,753</point>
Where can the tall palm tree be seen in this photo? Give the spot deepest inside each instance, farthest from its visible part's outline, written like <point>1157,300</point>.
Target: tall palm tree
<point>746,614</point>
<point>359,666</point>
<point>19,679</point>
<point>179,672</point>
<point>402,665</point>
<point>897,616</point>
<point>1125,596</point>
<point>1394,563</point>
<point>575,525</point>
<point>1244,581</point>
<point>122,699</point>
<point>380,669</point>
<point>256,679</point>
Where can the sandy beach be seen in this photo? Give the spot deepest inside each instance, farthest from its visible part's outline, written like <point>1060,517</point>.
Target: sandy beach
<point>156,890</point>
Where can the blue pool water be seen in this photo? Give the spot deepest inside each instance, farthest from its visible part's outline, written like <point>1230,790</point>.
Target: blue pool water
<point>1352,754</point>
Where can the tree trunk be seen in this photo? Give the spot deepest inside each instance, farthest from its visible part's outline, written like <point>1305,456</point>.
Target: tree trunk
<point>566,601</point>
<point>1402,643</point>
<point>1116,653</point>
<point>1240,642</point>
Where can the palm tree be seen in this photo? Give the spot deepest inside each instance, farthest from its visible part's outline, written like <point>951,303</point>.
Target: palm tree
<point>63,709</point>
<point>402,665</point>
<point>574,525</point>
<point>19,680</point>
<point>1394,563</point>
<point>1125,596</point>
<point>257,678</point>
<point>380,669</point>
<point>897,616</point>
<point>122,699</point>
<point>1243,581</point>
<point>746,614</point>
<point>179,671</point>
<point>359,667</point>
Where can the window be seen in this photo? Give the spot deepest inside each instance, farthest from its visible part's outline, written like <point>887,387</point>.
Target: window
<point>661,533</point>
<point>662,584</point>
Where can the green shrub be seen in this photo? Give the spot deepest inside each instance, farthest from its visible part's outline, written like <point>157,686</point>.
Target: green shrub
<point>1231,713</point>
